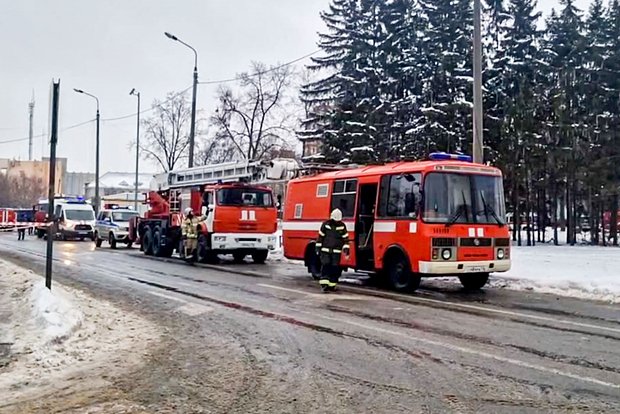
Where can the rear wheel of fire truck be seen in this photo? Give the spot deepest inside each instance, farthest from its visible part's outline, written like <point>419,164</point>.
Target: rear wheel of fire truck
<point>98,240</point>
<point>238,257</point>
<point>260,256</point>
<point>156,245</point>
<point>399,272</point>
<point>475,281</point>
<point>313,263</point>
<point>147,242</point>
<point>112,241</point>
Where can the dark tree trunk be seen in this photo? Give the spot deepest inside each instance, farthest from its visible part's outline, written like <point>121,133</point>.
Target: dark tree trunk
<point>613,225</point>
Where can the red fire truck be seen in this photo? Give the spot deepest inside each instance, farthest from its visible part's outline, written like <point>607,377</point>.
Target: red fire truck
<point>8,218</point>
<point>241,216</point>
<point>406,220</point>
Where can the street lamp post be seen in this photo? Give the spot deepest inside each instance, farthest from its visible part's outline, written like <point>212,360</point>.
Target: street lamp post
<point>195,87</point>
<point>96,151</point>
<point>137,94</point>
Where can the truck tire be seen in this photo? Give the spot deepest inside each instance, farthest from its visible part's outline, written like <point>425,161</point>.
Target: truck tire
<point>205,255</point>
<point>98,241</point>
<point>260,256</point>
<point>313,263</point>
<point>156,247</point>
<point>112,241</point>
<point>147,242</point>
<point>399,273</point>
<point>474,281</point>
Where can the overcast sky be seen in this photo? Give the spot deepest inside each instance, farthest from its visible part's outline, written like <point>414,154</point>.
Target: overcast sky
<point>109,47</point>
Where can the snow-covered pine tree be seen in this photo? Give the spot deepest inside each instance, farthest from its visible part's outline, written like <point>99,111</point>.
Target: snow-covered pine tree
<point>445,124</point>
<point>520,136</point>
<point>565,54</point>
<point>346,104</point>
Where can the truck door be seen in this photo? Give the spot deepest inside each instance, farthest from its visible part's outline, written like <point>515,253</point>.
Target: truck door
<point>364,226</point>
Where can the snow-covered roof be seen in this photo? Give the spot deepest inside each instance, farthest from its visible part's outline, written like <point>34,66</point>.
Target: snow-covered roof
<point>123,180</point>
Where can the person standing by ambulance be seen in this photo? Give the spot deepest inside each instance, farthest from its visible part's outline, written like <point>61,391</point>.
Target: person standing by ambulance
<point>332,242</point>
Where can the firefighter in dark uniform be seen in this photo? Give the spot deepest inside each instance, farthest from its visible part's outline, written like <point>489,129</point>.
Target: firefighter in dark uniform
<point>332,242</point>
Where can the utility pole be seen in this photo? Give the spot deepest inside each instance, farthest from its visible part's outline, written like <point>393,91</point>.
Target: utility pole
<point>478,151</point>
<point>96,200</point>
<point>137,94</point>
<point>30,133</point>
<point>52,222</point>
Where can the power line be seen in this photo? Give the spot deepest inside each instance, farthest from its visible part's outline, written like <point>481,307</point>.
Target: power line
<point>43,135</point>
<point>212,82</point>
<point>253,75</point>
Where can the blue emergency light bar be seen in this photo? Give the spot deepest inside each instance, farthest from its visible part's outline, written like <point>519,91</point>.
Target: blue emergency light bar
<point>443,156</point>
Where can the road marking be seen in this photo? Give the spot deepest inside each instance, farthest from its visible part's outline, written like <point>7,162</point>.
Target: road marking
<point>470,351</point>
<point>194,309</point>
<point>163,295</point>
<point>290,290</point>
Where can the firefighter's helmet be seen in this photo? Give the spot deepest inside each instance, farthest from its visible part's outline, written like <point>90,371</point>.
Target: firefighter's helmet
<point>336,215</point>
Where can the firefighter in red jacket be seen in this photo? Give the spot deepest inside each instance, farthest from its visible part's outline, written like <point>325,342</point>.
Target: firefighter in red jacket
<point>332,242</point>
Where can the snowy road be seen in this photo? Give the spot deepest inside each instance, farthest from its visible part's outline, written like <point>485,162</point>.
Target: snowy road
<point>261,339</point>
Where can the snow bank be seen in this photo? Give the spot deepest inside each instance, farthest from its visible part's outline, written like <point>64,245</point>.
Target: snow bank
<point>589,272</point>
<point>56,317</point>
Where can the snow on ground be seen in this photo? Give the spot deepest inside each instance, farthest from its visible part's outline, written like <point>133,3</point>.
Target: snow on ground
<point>589,272</point>
<point>62,341</point>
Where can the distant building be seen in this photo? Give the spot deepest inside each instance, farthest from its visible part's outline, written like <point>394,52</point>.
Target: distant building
<point>75,183</point>
<point>37,171</point>
<point>118,182</point>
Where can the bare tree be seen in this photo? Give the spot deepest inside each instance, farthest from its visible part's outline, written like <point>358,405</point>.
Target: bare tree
<point>20,191</point>
<point>215,149</point>
<point>167,131</point>
<point>260,116</point>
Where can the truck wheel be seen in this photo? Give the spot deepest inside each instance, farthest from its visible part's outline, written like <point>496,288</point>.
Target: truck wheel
<point>112,241</point>
<point>313,262</point>
<point>238,257</point>
<point>40,234</point>
<point>475,281</point>
<point>260,256</point>
<point>157,249</point>
<point>98,241</point>
<point>399,273</point>
<point>205,255</point>
<point>147,242</point>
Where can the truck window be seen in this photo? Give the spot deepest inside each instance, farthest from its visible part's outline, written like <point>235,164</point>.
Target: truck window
<point>78,215</point>
<point>400,195</point>
<point>343,197</point>
<point>244,197</point>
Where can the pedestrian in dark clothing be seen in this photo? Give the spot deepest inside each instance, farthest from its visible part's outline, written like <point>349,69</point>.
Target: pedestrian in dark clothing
<point>332,242</point>
<point>21,233</point>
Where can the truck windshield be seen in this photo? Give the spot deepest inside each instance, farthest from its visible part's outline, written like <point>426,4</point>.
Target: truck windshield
<point>244,197</point>
<point>86,215</point>
<point>463,198</point>
<point>123,215</point>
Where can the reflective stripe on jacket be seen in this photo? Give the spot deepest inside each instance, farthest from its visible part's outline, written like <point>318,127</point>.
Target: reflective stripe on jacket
<point>189,228</point>
<point>333,237</point>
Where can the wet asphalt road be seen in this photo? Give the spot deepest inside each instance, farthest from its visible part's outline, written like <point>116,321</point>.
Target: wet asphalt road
<point>248,338</point>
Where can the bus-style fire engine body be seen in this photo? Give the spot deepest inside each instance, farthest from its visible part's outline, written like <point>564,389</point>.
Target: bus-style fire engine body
<point>406,220</point>
<point>240,218</point>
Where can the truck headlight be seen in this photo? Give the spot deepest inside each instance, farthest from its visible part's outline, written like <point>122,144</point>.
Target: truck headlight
<point>219,238</point>
<point>446,254</point>
<point>271,239</point>
<point>500,254</point>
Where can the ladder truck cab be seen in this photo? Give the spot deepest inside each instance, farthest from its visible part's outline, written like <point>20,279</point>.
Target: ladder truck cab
<point>239,215</point>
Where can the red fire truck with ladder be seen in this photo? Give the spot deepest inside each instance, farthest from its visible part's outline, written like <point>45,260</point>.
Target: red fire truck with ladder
<point>236,200</point>
<point>406,220</point>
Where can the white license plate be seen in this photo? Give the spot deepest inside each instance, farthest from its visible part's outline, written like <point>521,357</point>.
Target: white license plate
<point>475,269</point>
<point>247,244</point>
